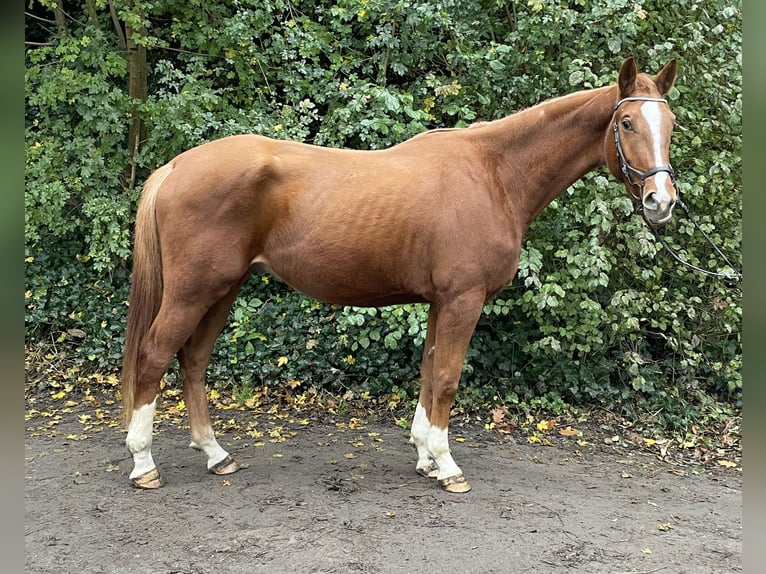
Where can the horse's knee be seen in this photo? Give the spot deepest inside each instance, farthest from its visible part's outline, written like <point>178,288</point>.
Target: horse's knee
<point>445,387</point>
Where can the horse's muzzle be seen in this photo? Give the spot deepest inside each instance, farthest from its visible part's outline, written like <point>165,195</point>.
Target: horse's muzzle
<point>658,207</point>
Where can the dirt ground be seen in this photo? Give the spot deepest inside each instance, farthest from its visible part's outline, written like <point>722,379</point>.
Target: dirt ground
<point>340,494</point>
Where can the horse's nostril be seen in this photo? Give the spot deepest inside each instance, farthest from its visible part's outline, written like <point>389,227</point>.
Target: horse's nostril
<point>650,202</point>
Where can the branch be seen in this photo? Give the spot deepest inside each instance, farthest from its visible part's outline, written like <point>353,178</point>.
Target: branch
<point>117,26</point>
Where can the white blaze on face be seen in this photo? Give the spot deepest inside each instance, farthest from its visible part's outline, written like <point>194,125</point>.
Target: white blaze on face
<point>139,439</point>
<point>652,113</point>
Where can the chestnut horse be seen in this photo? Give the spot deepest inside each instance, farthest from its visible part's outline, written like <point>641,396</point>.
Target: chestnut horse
<point>437,219</point>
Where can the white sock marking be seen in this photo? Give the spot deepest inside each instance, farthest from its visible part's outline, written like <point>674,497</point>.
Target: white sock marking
<point>139,439</point>
<point>419,436</point>
<point>438,444</point>
<point>432,443</point>
<point>209,445</point>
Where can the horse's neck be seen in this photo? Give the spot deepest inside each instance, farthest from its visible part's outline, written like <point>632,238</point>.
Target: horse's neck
<point>544,149</point>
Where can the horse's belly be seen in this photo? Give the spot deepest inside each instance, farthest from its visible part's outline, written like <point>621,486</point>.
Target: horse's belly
<point>340,282</point>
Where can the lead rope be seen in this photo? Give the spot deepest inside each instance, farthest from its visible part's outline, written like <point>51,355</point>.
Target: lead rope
<point>734,275</point>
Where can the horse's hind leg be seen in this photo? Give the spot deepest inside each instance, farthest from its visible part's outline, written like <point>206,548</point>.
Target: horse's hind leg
<point>168,332</point>
<point>193,359</point>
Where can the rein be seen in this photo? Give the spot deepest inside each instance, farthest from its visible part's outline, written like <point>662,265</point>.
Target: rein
<point>734,275</point>
<point>628,171</point>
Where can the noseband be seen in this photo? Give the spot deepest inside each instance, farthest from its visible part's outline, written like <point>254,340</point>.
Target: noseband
<point>627,170</point>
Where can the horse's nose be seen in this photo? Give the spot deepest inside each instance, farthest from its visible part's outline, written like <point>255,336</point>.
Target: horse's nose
<point>659,201</point>
<point>658,206</point>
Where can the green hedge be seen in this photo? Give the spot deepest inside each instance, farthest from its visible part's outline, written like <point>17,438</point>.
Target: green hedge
<point>598,314</point>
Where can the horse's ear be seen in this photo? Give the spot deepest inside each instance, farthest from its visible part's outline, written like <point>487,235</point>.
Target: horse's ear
<point>627,78</point>
<point>666,76</point>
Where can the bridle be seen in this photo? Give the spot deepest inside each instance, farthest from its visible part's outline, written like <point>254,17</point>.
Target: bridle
<point>628,172</point>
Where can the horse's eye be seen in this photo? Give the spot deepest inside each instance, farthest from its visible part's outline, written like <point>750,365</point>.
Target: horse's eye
<point>626,124</point>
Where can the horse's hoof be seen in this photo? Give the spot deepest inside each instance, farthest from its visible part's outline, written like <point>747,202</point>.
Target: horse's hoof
<point>430,471</point>
<point>149,481</point>
<point>455,484</point>
<point>227,466</point>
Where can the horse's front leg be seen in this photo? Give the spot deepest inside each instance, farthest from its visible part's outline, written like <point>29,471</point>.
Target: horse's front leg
<point>426,466</point>
<point>454,324</point>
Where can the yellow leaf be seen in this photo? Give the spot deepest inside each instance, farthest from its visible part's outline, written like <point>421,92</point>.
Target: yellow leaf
<point>281,361</point>
<point>77,436</point>
<point>727,463</point>
<point>646,550</point>
<point>59,395</point>
<point>546,425</point>
<point>459,439</point>
<point>214,395</point>
<point>649,441</point>
<point>311,343</point>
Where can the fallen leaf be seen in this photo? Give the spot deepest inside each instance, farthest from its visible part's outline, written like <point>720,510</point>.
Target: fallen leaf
<point>569,431</point>
<point>311,343</point>
<point>664,527</point>
<point>546,425</point>
<point>349,455</point>
<point>77,436</point>
<point>727,463</point>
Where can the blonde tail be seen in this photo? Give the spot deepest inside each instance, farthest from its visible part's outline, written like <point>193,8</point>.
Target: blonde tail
<point>145,288</point>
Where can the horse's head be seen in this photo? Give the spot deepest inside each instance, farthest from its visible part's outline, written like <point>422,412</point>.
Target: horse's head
<point>638,140</point>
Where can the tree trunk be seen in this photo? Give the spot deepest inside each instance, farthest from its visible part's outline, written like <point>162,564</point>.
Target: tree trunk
<point>58,14</point>
<point>137,90</point>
